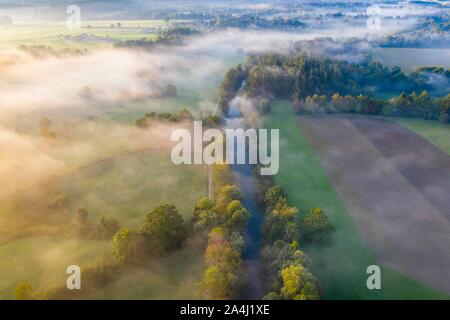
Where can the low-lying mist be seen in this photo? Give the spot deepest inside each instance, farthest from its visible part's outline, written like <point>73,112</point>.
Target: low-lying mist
<point>75,91</point>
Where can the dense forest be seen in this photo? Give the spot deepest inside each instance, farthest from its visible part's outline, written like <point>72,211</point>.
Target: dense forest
<point>171,36</point>
<point>251,21</point>
<point>325,85</point>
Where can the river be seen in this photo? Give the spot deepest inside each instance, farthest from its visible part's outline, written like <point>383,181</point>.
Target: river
<point>246,181</point>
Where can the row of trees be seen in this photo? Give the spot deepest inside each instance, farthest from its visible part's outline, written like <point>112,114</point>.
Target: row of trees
<point>286,266</point>
<point>405,105</point>
<point>230,86</point>
<point>180,116</point>
<point>167,37</point>
<point>324,85</point>
<point>224,219</point>
<point>280,222</point>
<point>254,21</point>
<point>163,231</point>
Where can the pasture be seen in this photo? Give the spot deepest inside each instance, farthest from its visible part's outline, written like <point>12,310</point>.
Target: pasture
<point>127,187</point>
<point>435,132</point>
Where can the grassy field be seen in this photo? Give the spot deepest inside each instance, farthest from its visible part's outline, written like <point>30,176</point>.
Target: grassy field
<point>129,186</point>
<point>126,188</point>
<point>172,277</point>
<point>42,261</point>
<point>135,110</point>
<point>341,264</point>
<point>435,132</point>
<point>52,33</point>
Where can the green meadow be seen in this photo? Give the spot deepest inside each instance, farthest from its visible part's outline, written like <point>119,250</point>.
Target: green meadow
<point>127,187</point>
<point>339,265</point>
<point>172,277</point>
<point>42,261</point>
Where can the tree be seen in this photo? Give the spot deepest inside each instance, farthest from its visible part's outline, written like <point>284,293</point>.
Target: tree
<point>298,284</point>
<point>214,285</point>
<point>126,247</point>
<point>184,115</point>
<point>227,194</point>
<point>221,176</point>
<point>203,215</point>
<point>81,226</point>
<point>280,224</point>
<point>24,291</point>
<point>315,226</point>
<point>229,87</point>
<point>44,127</point>
<point>273,195</point>
<point>278,255</point>
<point>443,105</point>
<point>164,229</point>
<point>235,217</point>
<point>169,91</point>
<point>220,252</point>
<point>223,261</point>
<point>108,227</point>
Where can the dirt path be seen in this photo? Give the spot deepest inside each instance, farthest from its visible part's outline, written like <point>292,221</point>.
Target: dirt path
<point>389,180</point>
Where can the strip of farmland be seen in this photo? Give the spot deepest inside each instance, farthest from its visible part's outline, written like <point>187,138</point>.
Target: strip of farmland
<point>393,184</point>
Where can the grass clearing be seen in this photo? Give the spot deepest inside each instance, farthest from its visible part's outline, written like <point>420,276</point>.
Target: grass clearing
<point>129,186</point>
<point>341,264</point>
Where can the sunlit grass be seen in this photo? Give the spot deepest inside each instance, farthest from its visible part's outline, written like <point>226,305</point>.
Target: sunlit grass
<point>53,33</point>
<point>42,261</point>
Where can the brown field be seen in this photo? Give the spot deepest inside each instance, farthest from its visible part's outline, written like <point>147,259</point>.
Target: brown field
<point>396,187</point>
